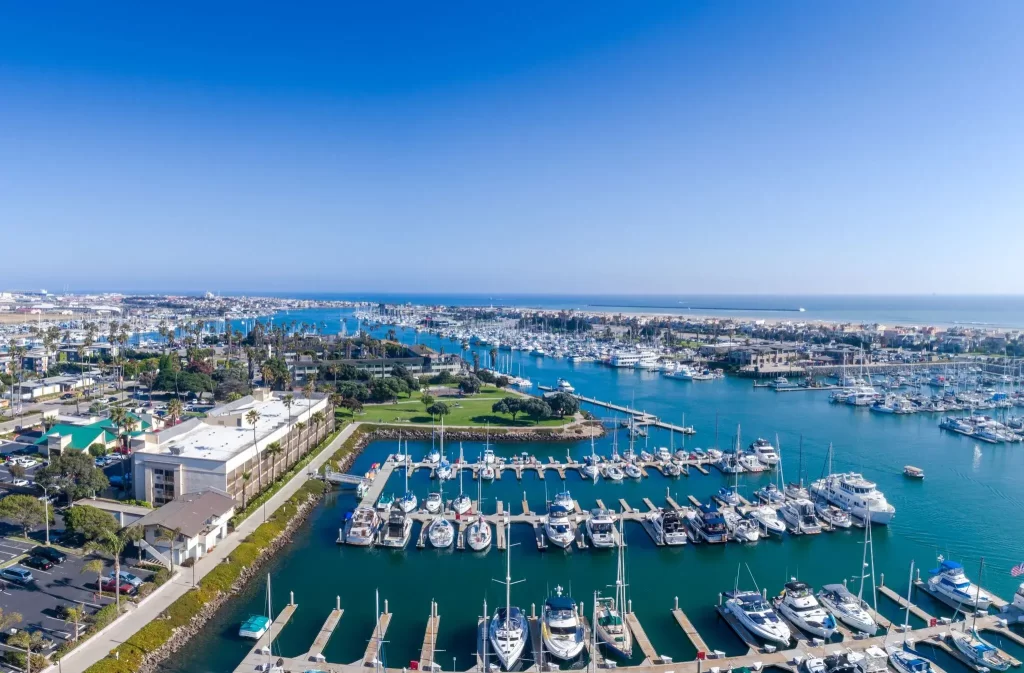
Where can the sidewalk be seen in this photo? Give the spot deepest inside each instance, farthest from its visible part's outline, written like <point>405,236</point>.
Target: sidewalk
<point>100,645</point>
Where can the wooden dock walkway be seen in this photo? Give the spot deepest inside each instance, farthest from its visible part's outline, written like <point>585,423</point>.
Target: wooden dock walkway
<point>689,629</point>
<point>325,634</point>
<point>640,638</point>
<point>373,647</point>
<point>595,653</point>
<point>672,503</point>
<point>378,483</point>
<point>625,506</point>
<point>902,602</point>
<point>650,505</point>
<point>703,470</point>
<point>430,639</point>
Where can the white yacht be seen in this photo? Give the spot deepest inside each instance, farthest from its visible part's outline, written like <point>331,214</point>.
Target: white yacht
<point>751,609</point>
<point>632,470</point>
<point>600,525</point>
<point>558,527</point>
<point>590,469</point>
<point>798,604</point>
<point>613,473</point>
<point>847,608</point>
<point>433,503</point>
<point>478,535</point>
<point>765,452</point>
<point>625,359</point>
<point>444,470</point>
<point>561,627</point>
<point>669,526</point>
<point>852,492</point>
<point>740,529</point>
<point>800,516</point>
<point>361,527</point>
<point>488,456</point>
<point>833,516</point>
<point>648,360</point>
<point>767,520</point>
<point>564,499</point>
<point>861,396</point>
<point>508,631</point>
<point>949,584</point>
<point>564,386</point>
<point>1018,598</point>
<point>398,529</point>
<point>440,532</point>
<point>433,457</point>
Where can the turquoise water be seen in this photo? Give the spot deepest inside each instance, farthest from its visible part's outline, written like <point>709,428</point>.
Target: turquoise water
<point>970,505</point>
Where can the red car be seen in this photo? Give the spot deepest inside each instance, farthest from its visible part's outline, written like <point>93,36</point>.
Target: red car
<point>125,589</point>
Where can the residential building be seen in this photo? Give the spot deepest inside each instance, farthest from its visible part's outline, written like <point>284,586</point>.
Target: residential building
<point>187,527</point>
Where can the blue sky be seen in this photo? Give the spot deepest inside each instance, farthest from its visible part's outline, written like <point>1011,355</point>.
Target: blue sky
<point>654,147</point>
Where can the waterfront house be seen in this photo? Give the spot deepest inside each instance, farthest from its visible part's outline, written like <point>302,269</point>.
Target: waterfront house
<point>187,527</point>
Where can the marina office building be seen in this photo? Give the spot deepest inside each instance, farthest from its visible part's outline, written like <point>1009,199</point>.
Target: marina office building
<point>217,451</point>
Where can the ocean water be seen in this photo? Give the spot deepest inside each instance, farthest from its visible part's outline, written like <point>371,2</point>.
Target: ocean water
<point>969,506</point>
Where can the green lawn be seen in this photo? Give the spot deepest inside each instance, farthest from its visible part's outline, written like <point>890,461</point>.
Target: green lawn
<point>471,411</point>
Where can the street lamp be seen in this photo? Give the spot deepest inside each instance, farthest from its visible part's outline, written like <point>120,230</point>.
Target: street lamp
<point>46,513</point>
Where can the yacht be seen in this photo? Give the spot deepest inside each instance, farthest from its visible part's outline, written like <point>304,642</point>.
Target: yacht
<point>840,662</point>
<point>564,386</point>
<point>558,527</point>
<point>740,529</point>
<point>488,456</point>
<point>398,529</point>
<point>385,502</point>
<point>949,584</point>
<point>798,604</point>
<point>800,517</point>
<point>508,631</point>
<point>609,627</point>
<point>590,469</point>
<point>600,527</point>
<point>440,532</point>
<point>706,524</point>
<point>487,473</point>
<point>561,627</point>
<point>765,452</point>
<point>814,665</point>
<point>361,527</point>
<point>663,454</point>
<point>613,473</point>
<point>564,499</point>
<point>432,458</point>
<point>625,359</point>
<point>407,502</point>
<point>754,613</point>
<point>847,608</point>
<point>632,470</point>
<point>478,535</point>
<point>905,661</point>
<point>855,494</point>
<point>751,463</point>
<point>668,525</point>
<point>770,494</point>
<point>1018,598</point>
<point>834,517</point>
<point>767,520</point>
<point>433,503</point>
<point>861,396</point>
<point>979,651</point>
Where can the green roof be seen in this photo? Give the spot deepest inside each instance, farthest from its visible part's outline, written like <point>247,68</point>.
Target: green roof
<point>108,425</point>
<point>82,436</point>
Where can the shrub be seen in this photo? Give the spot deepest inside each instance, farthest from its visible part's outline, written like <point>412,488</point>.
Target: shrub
<point>161,576</point>
<point>104,616</point>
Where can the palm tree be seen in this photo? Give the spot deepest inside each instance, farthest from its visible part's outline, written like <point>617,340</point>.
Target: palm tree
<point>170,535</point>
<point>300,426</point>
<point>252,418</point>
<point>494,357</point>
<point>273,450</point>
<point>246,476</point>
<point>318,419</point>
<point>289,400</point>
<point>95,566</point>
<point>113,544</point>
<point>174,410</point>
<point>74,615</point>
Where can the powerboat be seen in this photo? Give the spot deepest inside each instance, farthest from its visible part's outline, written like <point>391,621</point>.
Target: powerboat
<point>1018,598</point>
<point>767,520</point>
<point>913,472</point>
<point>855,494</point>
<point>872,660</point>
<point>847,608</point>
<point>478,535</point>
<point>800,517</point>
<point>488,457</point>
<point>632,471</point>
<point>765,452</point>
<point>600,526</point>
<point>905,661</point>
<point>385,502</point>
<point>751,463</point>
<point>254,627</point>
<point>835,517</point>
<point>361,527</point>
<point>814,665</point>
<point>741,530</point>
<point>978,651</point>
<point>794,491</point>
<point>564,386</point>
<point>839,663</point>
<point>753,611</point>
<point>949,584</point>
<point>798,604</point>
<point>433,503</point>
<point>398,529</point>
<point>558,527</point>
<point>433,457</point>
<point>668,524</point>
<point>706,524</point>
<point>440,532</point>
<point>508,630</point>
<point>564,499</point>
<point>561,627</point>
<point>770,494</point>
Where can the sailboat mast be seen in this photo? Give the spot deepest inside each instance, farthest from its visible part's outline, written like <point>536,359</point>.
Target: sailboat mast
<point>864,563</point>
<point>974,622</point>
<point>508,572</point>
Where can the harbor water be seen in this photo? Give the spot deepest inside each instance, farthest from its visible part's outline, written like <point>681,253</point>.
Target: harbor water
<point>969,505</point>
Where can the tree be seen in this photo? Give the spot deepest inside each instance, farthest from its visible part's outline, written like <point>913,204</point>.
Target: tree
<point>97,449</point>
<point>9,619</point>
<point>113,543</point>
<point>24,510</point>
<point>494,357</point>
<point>508,405</point>
<point>536,409</point>
<point>469,385</point>
<point>252,418</point>
<point>352,404</point>
<point>89,522</point>
<point>170,535</point>
<point>17,471</point>
<point>318,419</point>
<point>438,409</point>
<point>289,400</point>
<point>74,474</point>
<point>562,404</point>
<point>95,566</point>
<point>174,410</point>
<point>502,381</point>
<point>476,361</point>
<point>75,615</point>
<point>273,450</point>
<point>246,476</point>
<point>427,399</point>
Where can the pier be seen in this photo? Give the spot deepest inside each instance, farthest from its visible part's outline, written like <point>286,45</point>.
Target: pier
<point>430,638</point>
<point>316,650</point>
<point>688,628</point>
<point>639,417</point>
<point>640,637</point>
<point>902,602</point>
<point>373,647</point>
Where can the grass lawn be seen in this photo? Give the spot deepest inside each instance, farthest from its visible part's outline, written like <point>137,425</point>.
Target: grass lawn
<point>471,411</point>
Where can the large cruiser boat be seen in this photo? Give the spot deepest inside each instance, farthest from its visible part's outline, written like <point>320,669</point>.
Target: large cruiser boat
<point>707,524</point>
<point>361,527</point>
<point>398,529</point>
<point>800,516</point>
<point>847,608</point>
<point>564,386</point>
<point>753,611</point>
<point>561,627</point>
<point>558,527</point>
<point>600,527</point>
<point>798,604</point>
<point>949,584</point>
<point>765,452</point>
<point>668,524</point>
<point>625,359</point>
<point>857,495</point>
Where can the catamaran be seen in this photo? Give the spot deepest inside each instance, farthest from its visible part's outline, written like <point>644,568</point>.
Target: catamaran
<point>507,632</point>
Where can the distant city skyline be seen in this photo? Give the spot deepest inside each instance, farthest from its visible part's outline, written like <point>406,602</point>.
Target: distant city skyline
<point>667,148</point>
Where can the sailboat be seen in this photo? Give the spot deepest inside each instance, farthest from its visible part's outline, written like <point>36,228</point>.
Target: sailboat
<point>256,625</point>
<point>408,500</point>
<point>590,469</point>
<point>478,535</point>
<point>462,503</point>
<point>976,649</point>
<point>847,608</point>
<point>508,632</point>
<point>609,625</point>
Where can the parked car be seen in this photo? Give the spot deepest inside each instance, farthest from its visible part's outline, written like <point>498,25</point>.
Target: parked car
<point>18,575</point>
<point>50,554</point>
<point>67,396</point>
<point>38,562</point>
<point>20,482</point>
<point>110,585</point>
<point>134,580</point>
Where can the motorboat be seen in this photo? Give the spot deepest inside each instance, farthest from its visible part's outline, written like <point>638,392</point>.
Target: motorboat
<point>751,463</point>
<point>600,528</point>
<point>754,613</point>
<point>949,584</point>
<point>839,662</point>
<point>561,627</point>
<point>1018,598</point>
<point>613,473</point>
<point>913,472</point>
<point>798,604</point>
<point>478,535</point>
<point>398,529</point>
<point>729,464</point>
<point>979,651</point>
<point>728,495</point>
<point>361,527</point>
<point>558,527</point>
<point>767,520</point>
<point>440,532</point>
<point>433,503</point>
<point>488,457</point>
<point>714,455</point>
<point>800,517</point>
<point>254,627</point>
<point>385,502</point>
<point>770,494</point>
<point>814,665</point>
<point>706,524</point>
<point>564,499</point>
<point>508,630</point>
<point>847,608</point>
<point>798,490</point>
<point>564,386</point>
<point>433,457</point>
<point>871,660</point>
<point>444,470</point>
<point>609,626</point>
<point>765,452</point>
<point>663,454</point>
<point>646,456</point>
<point>632,470</point>
<point>905,661</point>
<point>855,494</point>
<point>671,469</point>
<point>741,530</point>
<point>668,525</point>
<point>834,517</point>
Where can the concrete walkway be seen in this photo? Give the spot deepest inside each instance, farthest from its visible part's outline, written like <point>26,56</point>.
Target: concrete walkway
<point>102,643</point>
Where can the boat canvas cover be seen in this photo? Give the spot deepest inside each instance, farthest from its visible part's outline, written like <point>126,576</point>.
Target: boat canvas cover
<point>513,615</point>
<point>560,603</point>
<point>255,623</point>
<point>946,565</point>
<point>838,589</point>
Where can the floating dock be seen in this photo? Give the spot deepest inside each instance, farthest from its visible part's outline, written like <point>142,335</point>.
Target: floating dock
<point>641,639</point>
<point>430,639</point>
<point>902,602</point>
<point>688,628</point>
<point>373,647</point>
<point>316,650</point>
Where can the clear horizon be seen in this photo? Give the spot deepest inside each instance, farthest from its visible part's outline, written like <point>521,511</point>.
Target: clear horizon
<point>584,149</point>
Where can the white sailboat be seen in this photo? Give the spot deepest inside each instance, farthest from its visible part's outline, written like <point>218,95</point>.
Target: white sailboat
<point>462,503</point>
<point>975,648</point>
<point>508,631</point>
<point>847,608</point>
<point>408,500</point>
<point>609,625</point>
<point>478,535</point>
